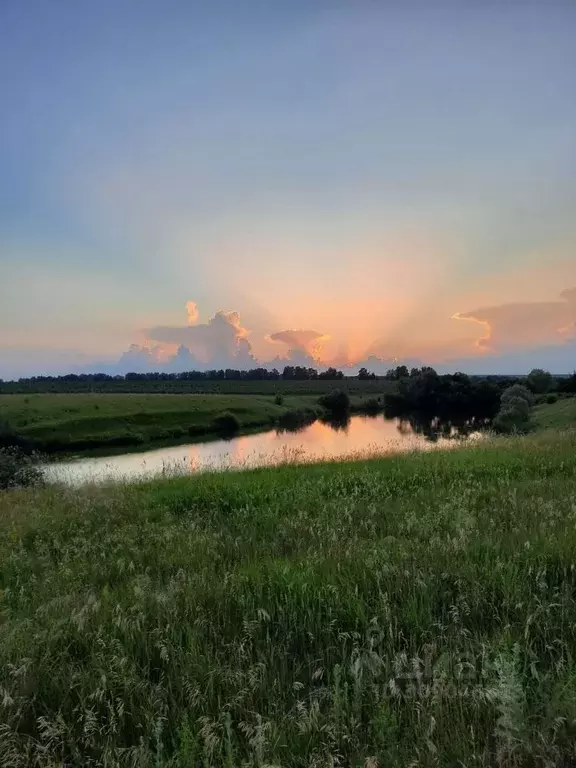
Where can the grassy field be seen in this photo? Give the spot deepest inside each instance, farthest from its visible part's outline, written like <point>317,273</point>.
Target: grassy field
<point>412,610</point>
<point>77,422</point>
<point>316,387</point>
<point>559,415</point>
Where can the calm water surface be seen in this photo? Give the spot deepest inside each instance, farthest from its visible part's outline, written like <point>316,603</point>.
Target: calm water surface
<point>362,435</point>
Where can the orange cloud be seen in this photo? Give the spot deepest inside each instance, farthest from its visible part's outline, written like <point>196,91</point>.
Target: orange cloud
<point>523,324</point>
<point>218,340</point>
<point>309,342</point>
<point>192,310</point>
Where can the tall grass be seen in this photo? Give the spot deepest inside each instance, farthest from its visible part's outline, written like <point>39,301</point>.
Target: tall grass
<point>413,610</point>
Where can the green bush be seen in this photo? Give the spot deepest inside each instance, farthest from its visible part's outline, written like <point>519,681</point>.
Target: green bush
<point>226,422</point>
<point>336,401</point>
<point>512,420</point>
<point>514,414</point>
<point>372,405</point>
<point>292,421</point>
<point>517,404</point>
<point>551,399</point>
<point>18,470</point>
<point>279,399</point>
<point>517,391</point>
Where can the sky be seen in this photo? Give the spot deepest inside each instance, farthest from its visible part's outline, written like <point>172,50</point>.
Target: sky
<point>201,184</point>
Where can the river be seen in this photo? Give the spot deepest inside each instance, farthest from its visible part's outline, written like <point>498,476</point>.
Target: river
<point>359,436</point>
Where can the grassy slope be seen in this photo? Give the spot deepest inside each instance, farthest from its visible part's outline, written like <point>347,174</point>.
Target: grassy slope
<point>77,422</point>
<point>559,415</point>
<point>70,420</point>
<point>414,609</point>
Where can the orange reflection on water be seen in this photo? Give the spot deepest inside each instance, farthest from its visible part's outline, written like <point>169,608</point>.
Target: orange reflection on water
<point>317,441</point>
<point>362,436</point>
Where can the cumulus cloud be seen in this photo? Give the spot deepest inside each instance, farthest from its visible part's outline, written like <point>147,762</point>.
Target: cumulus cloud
<point>527,323</point>
<point>139,358</point>
<point>222,341</point>
<point>219,341</point>
<point>306,342</point>
<point>192,310</point>
<point>244,357</point>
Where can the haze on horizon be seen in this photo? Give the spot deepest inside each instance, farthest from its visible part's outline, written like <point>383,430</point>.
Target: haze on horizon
<point>225,184</point>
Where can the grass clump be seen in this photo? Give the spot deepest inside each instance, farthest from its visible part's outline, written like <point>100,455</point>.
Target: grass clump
<point>415,610</point>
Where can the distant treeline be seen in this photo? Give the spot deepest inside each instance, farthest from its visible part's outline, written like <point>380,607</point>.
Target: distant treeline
<point>290,372</point>
<point>415,389</point>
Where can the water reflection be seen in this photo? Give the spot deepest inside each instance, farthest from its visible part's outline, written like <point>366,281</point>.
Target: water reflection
<point>355,437</point>
<point>433,429</point>
<point>339,423</point>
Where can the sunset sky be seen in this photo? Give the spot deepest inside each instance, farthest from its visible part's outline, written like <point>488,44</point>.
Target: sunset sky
<point>338,179</point>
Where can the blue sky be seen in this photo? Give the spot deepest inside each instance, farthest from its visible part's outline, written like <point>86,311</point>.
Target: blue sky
<point>367,170</point>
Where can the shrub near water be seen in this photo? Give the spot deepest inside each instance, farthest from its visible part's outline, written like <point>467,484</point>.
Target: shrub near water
<point>409,611</point>
<point>336,402</point>
<point>226,422</point>
<point>18,470</point>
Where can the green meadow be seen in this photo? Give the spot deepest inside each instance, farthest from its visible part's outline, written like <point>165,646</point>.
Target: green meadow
<point>413,610</point>
<point>75,422</point>
<point>559,415</point>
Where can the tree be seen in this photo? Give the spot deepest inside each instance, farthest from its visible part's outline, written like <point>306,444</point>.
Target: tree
<point>486,399</point>
<point>517,390</point>
<point>514,417</point>
<point>400,372</point>
<point>365,374</point>
<point>568,385</point>
<point>331,373</point>
<point>519,405</point>
<point>514,414</point>
<point>539,381</point>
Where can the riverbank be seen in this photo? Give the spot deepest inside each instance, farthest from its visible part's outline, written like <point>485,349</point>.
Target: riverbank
<point>411,609</point>
<point>56,423</point>
<point>106,424</point>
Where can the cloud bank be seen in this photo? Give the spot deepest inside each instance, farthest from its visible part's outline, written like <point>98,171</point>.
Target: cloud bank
<point>223,341</point>
<point>511,337</point>
<point>514,325</point>
<point>217,341</point>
